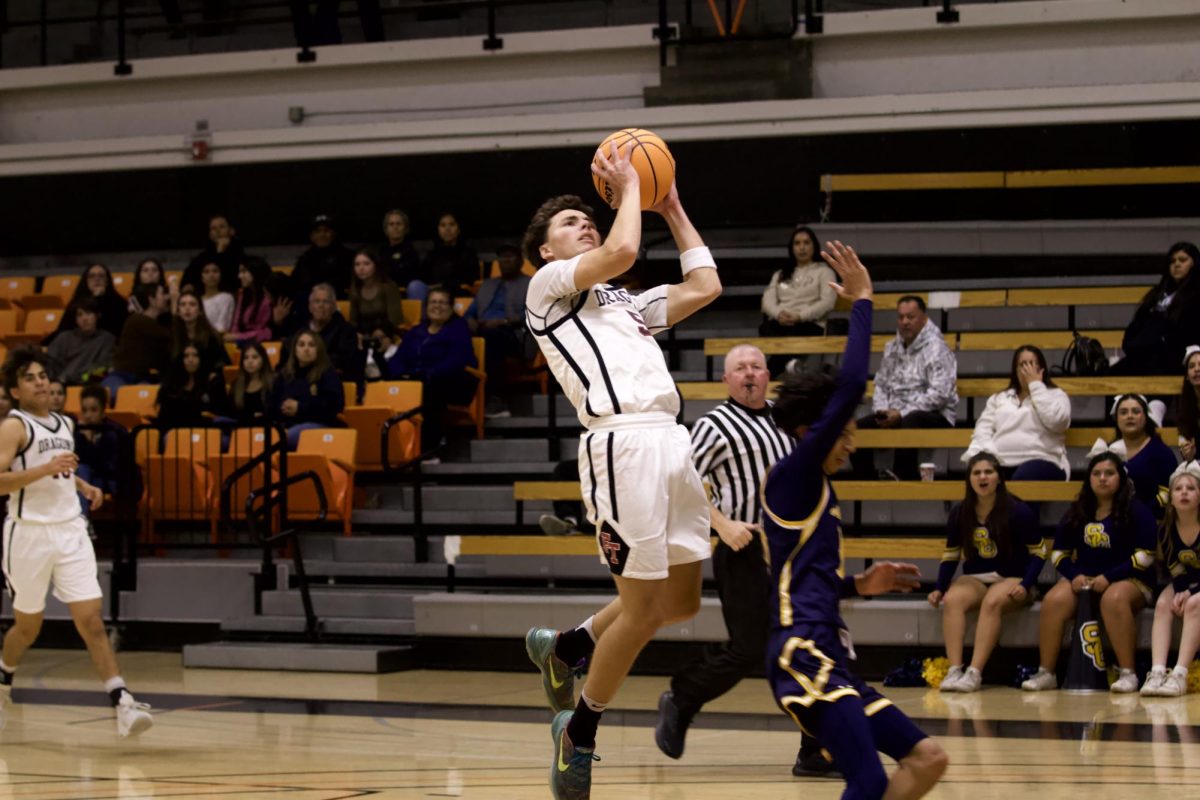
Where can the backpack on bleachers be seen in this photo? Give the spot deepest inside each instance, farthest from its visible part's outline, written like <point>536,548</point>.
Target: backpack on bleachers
<point>1084,358</point>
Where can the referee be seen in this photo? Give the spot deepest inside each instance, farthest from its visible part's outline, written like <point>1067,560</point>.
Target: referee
<point>733,446</point>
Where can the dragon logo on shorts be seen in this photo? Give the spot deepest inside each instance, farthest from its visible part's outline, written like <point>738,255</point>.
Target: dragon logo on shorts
<point>1094,535</point>
<point>615,551</point>
<point>1089,640</point>
<point>983,543</point>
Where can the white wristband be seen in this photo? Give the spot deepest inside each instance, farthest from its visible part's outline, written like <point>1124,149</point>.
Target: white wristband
<point>696,258</point>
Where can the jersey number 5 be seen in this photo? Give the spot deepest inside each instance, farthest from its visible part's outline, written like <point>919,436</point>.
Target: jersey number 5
<point>641,323</point>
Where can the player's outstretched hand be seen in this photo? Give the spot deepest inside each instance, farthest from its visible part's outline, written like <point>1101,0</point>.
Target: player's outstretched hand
<point>887,576</point>
<point>856,281</point>
<point>615,168</point>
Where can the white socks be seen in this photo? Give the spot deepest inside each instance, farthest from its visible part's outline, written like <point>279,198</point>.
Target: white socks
<point>592,704</point>
<point>587,626</point>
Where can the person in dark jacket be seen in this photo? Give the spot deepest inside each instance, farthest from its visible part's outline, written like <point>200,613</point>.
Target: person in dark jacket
<point>86,348</point>
<point>144,347</point>
<point>191,395</point>
<point>498,315</point>
<point>326,261</point>
<point>96,283</point>
<point>339,336</point>
<point>1166,322</point>
<point>307,392</point>
<point>190,326</point>
<point>224,249</point>
<point>98,447</point>
<point>451,264</point>
<point>437,352</point>
<point>398,258</point>
<point>251,389</point>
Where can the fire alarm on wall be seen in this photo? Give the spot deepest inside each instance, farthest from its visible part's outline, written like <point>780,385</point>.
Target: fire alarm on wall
<point>200,141</point>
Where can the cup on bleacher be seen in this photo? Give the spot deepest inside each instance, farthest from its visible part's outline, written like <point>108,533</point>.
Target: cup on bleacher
<point>928,471</point>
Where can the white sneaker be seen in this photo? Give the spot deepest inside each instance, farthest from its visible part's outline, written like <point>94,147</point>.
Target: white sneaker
<point>1154,683</point>
<point>950,682</point>
<point>1125,683</point>
<point>1043,680</point>
<point>1174,685</point>
<point>970,681</point>
<point>133,718</point>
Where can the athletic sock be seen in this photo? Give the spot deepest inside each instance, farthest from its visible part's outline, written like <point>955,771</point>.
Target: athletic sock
<point>583,724</point>
<point>1181,670</point>
<point>1160,669</point>
<point>115,687</point>
<point>575,645</point>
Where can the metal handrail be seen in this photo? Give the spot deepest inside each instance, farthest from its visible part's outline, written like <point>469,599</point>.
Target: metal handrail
<point>270,449</point>
<point>421,541</point>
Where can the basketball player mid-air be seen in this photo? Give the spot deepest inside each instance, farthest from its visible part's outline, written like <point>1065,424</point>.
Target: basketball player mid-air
<point>640,488</point>
<point>45,534</point>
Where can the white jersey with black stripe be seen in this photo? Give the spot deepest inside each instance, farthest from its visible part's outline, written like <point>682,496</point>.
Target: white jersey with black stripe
<point>599,343</point>
<point>53,498</point>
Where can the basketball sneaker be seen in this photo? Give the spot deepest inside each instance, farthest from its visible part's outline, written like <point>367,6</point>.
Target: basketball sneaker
<point>672,727</point>
<point>1042,680</point>
<point>813,762</point>
<point>558,681</point>
<point>1125,683</point>
<point>133,718</point>
<point>571,772</point>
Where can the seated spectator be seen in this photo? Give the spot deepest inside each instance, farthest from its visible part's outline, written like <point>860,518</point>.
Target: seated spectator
<point>218,305</point>
<point>327,260</point>
<point>150,272</point>
<point>1166,322</point>
<point>338,336</point>
<point>286,318</point>
<point>190,395</point>
<point>797,303</point>
<point>224,249</point>
<point>252,387</point>
<point>252,312</point>
<point>307,392</point>
<point>191,326</point>
<point>915,387</point>
<point>399,258</point>
<point>498,315</point>
<point>58,396</point>
<point>1148,459</point>
<point>436,352</point>
<point>373,296</point>
<point>84,349</point>
<point>95,284</point>
<point>381,346</point>
<point>1187,411</point>
<point>1105,544</point>
<point>996,538</point>
<point>144,347</point>
<point>1179,543</point>
<point>451,264</point>
<point>97,442</point>
<point>1025,425</point>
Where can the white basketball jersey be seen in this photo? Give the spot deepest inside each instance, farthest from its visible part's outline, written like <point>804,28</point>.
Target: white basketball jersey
<point>53,498</point>
<point>599,343</point>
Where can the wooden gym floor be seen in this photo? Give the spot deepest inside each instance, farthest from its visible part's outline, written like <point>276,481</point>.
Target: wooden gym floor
<point>226,734</point>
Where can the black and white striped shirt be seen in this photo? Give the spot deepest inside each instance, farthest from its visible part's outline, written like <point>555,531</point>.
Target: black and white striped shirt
<point>733,447</point>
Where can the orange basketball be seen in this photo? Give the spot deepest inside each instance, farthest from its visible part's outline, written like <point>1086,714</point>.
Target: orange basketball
<point>650,157</point>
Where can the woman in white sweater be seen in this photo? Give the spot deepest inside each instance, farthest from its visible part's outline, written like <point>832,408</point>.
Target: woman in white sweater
<point>797,301</point>
<point>1025,425</point>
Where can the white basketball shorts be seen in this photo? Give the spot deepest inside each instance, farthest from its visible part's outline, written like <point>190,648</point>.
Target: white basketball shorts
<point>643,495</point>
<point>37,555</point>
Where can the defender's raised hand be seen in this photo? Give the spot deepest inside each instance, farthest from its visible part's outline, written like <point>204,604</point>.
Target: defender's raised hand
<point>856,281</point>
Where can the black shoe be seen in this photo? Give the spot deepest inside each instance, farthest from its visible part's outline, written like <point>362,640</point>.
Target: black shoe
<point>814,764</point>
<point>672,726</point>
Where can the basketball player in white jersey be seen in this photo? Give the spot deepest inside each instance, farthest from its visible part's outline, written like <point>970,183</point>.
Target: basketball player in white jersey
<point>641,490</point>
<point>45,535</point>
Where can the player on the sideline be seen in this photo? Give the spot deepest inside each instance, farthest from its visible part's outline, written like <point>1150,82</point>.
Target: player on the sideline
<point>808,649</point>
<point>46,537</point>
<point>640,487</point>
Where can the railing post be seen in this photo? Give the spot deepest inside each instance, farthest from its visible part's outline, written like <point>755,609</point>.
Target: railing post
<point>43,32</point>
<point>814,22</point>
<point>664,32</point>
<point>122,67</point>
<point>492,42</point>
<point>948,15</point>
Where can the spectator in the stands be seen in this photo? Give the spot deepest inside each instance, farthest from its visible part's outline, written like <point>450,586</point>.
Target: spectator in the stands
<point>218,304</point>
<point>915,387</point>
<point>998,541</point>
<point>339,337</point>
<point>83,349</point>
<point>97,441</point>
<point>1104,544</point>
<point>374,298</point>
<point>95,284</point>
<point>191,326</point>
<point>224,249</point>
<point>252,311</point>
<point>381,346</point>
<point>58,396</point>
<point>250,390</point>
<point>1166,322</point>
<point>451,264</point>
<point>327,260</point>
<point>1025,425</point>
<point>799,298</point>
<point>437,352</point>
<point>307,392</point>
<point>150,272</point>
<point>498,315</point>
<point>1187,411</point>
<point>191,394</point>
<point>144,347</point>
<point>1148,459</point>
<point>286,316</point>
<point>399,258</point>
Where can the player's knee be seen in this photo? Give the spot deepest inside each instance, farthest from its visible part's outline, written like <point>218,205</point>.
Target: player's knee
<point>928,760</point>
<point>1164,601</point>
<point>28,626</point>
<point>90,625</point>
<point>994,603</point>
<point>684,608</point>
<point>1113,601</point>
<point>1192,606</point>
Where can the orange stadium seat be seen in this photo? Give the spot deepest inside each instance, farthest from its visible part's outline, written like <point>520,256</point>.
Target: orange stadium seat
<point>174,276</point>
<point>145,444</point>
<point>461,304</point>
<point>274,352</point>
<point>472,412</point>
<point>234,352</point>
<point>37,302</point>
<point>328,452</point>
<point>73,403</point>
<point>343,307</point>
<point>42,322</point>
<point>410,310</point>
<point>14,288</point>
<point>123,282</point>
<point>177,488</point>
<point>195,444</point>
<point>135,403</point>
<point>349,394</point>
<point>230,373</point>
<point>384,399</point>
<point>62,286</point>
<point>10,321</point>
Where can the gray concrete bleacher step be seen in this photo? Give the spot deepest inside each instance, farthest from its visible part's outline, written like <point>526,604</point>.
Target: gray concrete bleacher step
<point>395,517</point>
<point>332,626</point>
<point>507,450</point>
<point>374,549</point>
<point>354,601</point>
<point>371,659</point>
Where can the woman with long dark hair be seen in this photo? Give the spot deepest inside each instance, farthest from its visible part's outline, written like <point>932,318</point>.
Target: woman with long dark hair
<point>248,396</point>
<point>1025,425</point>
<point>1104,544</point>
<point>1166,321</point>
<point>996,537</point>
<point>1187,411</point>
<point>190,395</point>
<point>373,295</point>
<point>799,297</point>
<point>252,312</point>
<point>191,326</point>
<point>1179,539</point>
<point>1148,459</point>
<point>95,283</point>
<point>307,392</point>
